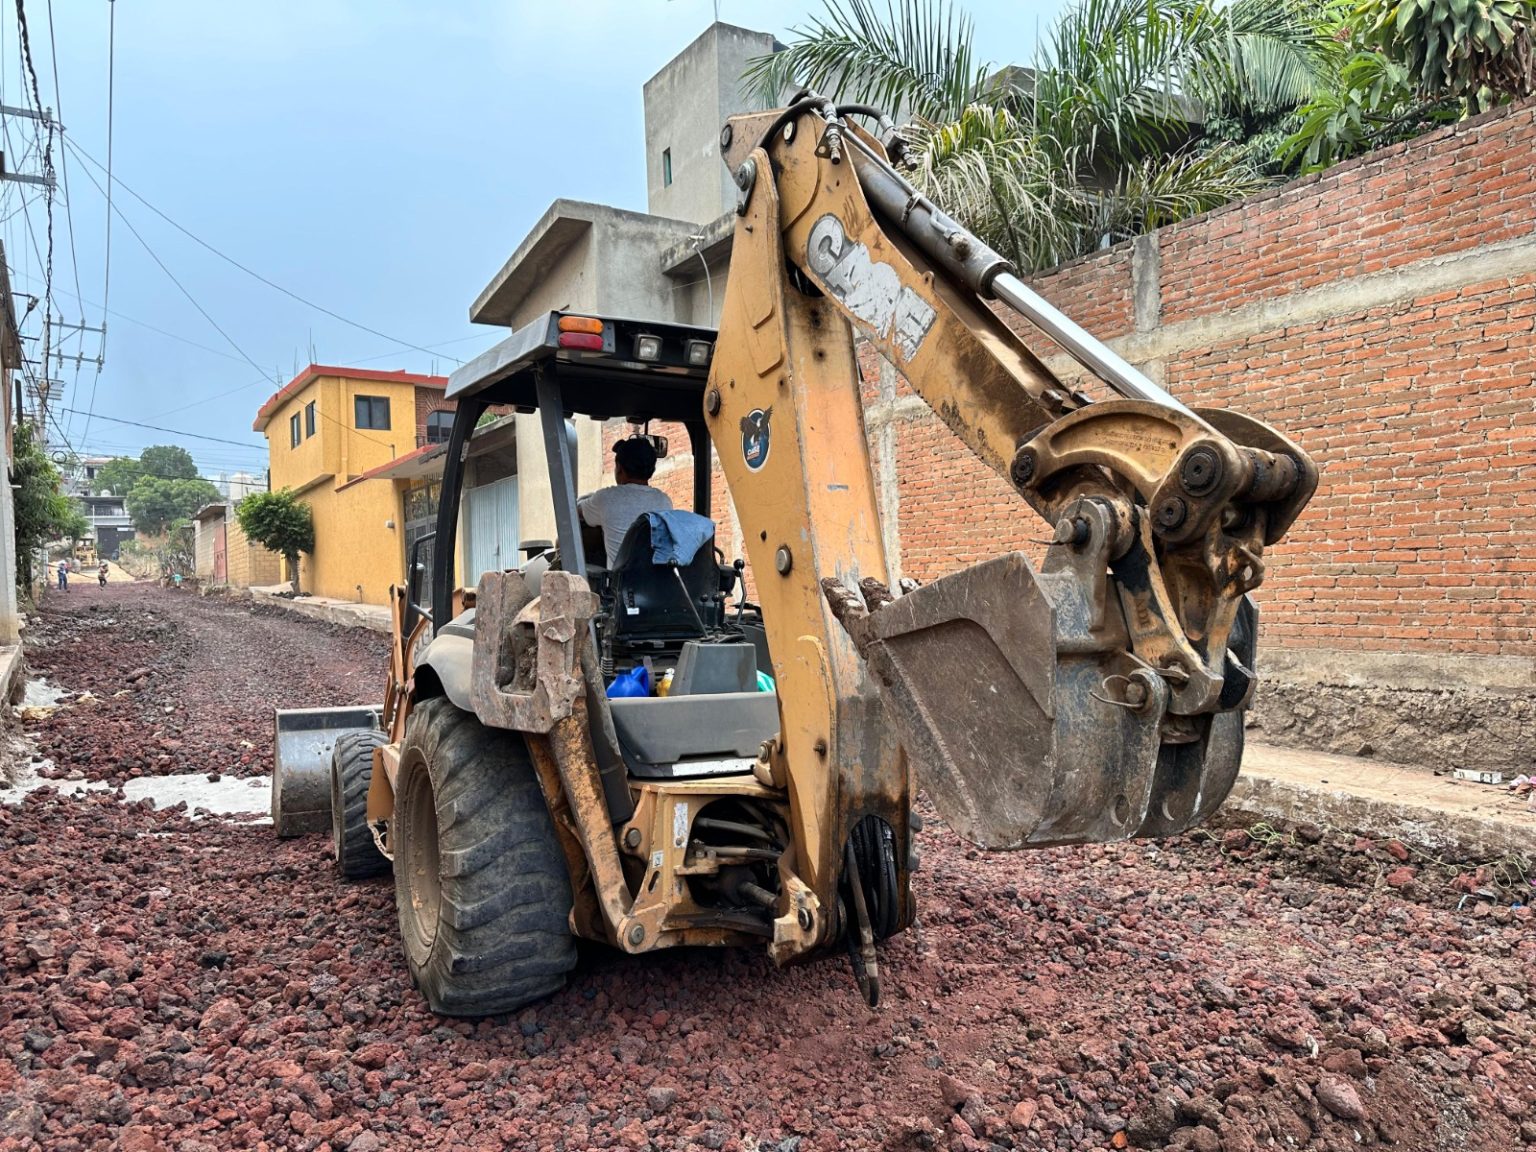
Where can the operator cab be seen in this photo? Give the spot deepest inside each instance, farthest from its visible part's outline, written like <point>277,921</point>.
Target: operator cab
<point>670,601</point>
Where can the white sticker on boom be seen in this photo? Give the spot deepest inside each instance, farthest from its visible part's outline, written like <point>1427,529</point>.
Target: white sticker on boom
<point>871,290</point>
<point>679,825</point>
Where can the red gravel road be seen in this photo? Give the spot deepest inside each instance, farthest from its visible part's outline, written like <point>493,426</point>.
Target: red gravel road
<point>185,683</point>
<point>180,985</point>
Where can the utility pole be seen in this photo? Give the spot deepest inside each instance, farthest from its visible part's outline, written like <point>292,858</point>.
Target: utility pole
<point>79,358</point>
<point>45,118</point>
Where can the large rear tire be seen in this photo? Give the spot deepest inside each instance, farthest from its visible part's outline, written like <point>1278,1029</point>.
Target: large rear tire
<point>480,880</point>
<point>357,856</point>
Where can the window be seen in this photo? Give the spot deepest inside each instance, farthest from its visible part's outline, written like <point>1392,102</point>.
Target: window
<point>293,431</point>
<point>371,412</point>
<point>666,167</point>
<point>309,420</point>
<point>439,424</point>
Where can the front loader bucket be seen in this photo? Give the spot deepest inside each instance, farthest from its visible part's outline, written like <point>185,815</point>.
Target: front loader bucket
<point>1013,693</point>
<point>301,764</point>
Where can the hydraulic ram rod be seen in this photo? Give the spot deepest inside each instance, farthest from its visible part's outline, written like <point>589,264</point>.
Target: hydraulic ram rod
<point>966,258</point>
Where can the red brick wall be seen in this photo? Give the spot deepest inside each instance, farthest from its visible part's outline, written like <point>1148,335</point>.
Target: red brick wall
<point>429,400</point>
<point>1335,308</point>
<point>1420,410</point>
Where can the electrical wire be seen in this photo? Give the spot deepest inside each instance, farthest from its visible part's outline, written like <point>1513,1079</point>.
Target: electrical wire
<point>128,224</point>
<point>106,275</point>
<point>83,154</point>
<point>29,70</point>
<point>58,112</point>
<point>19,276</point>
<point>170,431</point>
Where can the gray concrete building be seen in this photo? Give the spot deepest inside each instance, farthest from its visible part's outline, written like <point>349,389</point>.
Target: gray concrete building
<point>685,105</point>
<point>666,264</point>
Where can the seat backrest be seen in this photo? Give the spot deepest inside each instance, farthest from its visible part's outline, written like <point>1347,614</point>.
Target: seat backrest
<point>649,601</point>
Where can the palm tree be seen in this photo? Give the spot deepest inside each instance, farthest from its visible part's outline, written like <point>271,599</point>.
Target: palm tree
<point>1099,140</point>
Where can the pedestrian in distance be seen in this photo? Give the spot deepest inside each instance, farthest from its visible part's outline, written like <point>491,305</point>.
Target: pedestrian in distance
<point>101,574</point>
<point>63,575</point>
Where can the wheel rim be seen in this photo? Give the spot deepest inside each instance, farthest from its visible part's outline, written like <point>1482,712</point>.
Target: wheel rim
<point>423,878</point>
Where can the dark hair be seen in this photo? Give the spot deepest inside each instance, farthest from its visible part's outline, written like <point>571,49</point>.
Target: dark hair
<point>636,457</point>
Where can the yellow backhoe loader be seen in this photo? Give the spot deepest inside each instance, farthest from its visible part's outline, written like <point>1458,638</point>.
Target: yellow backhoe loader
<point>521,806</point>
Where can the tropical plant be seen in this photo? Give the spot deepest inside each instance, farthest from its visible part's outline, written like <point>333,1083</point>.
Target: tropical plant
<point>1412,65</point>
<point>1100,140</point>
<point>279,521</point>
<point>1480,51</point>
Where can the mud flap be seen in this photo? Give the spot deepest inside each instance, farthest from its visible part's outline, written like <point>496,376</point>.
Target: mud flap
<point>1026,716</point>
<point>301,764</point>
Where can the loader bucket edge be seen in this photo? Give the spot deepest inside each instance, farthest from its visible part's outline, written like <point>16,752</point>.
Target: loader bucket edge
<point>301,764</point>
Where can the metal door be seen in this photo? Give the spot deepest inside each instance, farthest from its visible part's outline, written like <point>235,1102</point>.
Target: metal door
<point>492,524</point>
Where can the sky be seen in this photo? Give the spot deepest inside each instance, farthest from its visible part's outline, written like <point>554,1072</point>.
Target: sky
<point>380,158</point>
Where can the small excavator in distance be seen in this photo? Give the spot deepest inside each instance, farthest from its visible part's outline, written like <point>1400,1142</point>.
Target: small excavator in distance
<point>1097,698</point>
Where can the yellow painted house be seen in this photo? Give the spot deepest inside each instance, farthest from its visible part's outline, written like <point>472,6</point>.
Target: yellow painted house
<point>331,432</point>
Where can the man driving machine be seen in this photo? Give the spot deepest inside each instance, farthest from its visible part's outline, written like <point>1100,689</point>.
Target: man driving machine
<point>615,508</point>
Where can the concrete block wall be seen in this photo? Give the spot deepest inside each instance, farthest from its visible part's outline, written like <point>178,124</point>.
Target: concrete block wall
<point>249,565</point>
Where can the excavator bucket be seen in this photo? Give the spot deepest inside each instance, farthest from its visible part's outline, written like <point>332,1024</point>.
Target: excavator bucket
<point>1027,718</point>
<point>301,767</point>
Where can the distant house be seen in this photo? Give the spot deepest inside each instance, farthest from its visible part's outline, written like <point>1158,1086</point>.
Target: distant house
<point>330,428</point>
<point>109,520</point>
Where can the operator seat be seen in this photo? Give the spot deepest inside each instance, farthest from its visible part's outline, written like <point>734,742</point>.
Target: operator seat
<point>672,599</point>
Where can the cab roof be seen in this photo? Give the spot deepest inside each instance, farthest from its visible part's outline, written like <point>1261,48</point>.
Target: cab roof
<point>595,362</point>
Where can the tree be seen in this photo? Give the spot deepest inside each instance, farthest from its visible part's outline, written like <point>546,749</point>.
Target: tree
<point>154,504</point>
<point>279,521</point>
<point>162,461</point>
<point>168,462</point>
<point>118,476</point>
<point>43,512</point>
<point>1100,140</point>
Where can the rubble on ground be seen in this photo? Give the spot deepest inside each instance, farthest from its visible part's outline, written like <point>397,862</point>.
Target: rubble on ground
<point>201,985</point>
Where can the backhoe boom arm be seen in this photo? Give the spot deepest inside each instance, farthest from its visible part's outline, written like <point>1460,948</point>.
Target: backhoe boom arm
<point>1096,698</point>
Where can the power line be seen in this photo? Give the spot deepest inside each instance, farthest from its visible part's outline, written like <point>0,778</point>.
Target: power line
<point>170,431</point>
<point>20,276</point>
<point>69,206</point>
<point>58,108</point>
<point>81,152</point>
<point>171,275</point>
<point>140,323</point>
<point>347,361</point>
<point>49,124</point>
<point>106,275</point>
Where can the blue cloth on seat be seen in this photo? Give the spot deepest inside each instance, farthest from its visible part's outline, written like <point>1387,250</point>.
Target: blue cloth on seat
<point>676,537</point>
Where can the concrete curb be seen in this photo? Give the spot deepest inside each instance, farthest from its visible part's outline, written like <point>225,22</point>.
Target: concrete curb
<point>1380,801</point>
<point>12,661</point>
<point>374,617</point>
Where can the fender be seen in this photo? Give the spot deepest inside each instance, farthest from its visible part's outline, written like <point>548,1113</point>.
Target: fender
<point>446,664</point>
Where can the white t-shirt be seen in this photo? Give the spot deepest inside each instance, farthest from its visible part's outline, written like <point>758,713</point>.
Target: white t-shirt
<point>615,509</point>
